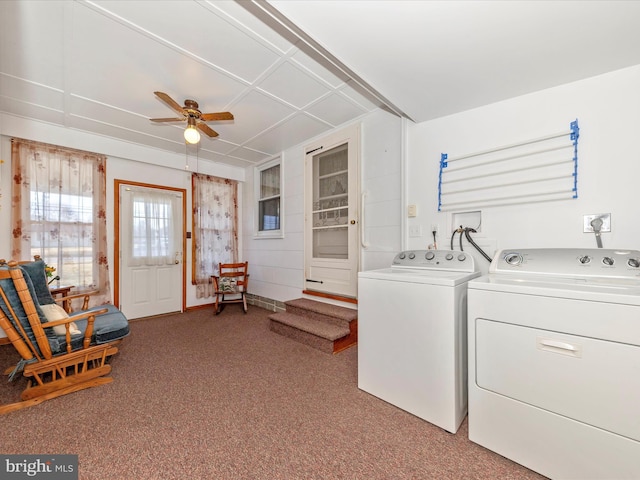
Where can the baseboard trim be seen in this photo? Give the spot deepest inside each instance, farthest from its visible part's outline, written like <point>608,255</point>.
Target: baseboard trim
<point>199,307</point>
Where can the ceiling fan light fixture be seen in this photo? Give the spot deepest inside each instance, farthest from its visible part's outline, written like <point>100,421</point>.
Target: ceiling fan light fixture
<point>196,120</point>
<point>191,134</point>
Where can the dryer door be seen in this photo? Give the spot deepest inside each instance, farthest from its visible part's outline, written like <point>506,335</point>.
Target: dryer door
<point>592,381</point>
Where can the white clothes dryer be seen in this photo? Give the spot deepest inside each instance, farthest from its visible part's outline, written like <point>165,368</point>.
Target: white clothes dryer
<point>412,334</point>
<point>554,361</point>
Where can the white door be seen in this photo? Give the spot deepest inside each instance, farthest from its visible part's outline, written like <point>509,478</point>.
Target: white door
<point>151,249</point>
<point>331,214</point>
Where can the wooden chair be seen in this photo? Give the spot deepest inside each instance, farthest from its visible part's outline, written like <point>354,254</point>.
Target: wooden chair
<point>232,281</point>
<point>54,362</point>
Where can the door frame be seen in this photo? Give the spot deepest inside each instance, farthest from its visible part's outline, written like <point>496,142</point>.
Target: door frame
<point>352,135</point>
<point>117,183</point>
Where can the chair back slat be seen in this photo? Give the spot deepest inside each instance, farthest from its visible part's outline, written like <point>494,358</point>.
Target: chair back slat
<point>235,270</point>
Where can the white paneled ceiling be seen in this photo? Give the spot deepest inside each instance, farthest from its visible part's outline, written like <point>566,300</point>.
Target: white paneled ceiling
<point>93,66</point>
<point>292,69</point>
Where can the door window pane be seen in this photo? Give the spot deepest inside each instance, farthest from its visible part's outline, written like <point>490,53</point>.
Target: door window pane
<point>330,204</point>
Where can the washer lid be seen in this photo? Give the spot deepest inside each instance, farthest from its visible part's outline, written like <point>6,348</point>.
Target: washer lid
<point>420,275</point>
<point>577,288</point>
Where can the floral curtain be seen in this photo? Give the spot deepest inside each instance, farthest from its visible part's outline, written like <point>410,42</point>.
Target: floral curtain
<point>58,211</point>
<point>215,228</point>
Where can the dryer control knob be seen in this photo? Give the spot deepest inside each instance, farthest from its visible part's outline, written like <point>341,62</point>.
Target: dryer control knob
<point>449,256</point>
<point>608,261</point>
<point>585,259</point>
<point>633,262</point>
<point>430,256</point>
<point>462,257</point>
<point>412,256</point>
<point>402,256</point>
<point>513,259</point>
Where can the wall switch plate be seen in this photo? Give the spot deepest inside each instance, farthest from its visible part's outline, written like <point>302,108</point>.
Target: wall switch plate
<point>415,231</point>
<point>412,211</point>
<point>606,222</point>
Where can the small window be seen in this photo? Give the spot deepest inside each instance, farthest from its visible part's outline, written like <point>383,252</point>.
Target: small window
<point>268,188</point>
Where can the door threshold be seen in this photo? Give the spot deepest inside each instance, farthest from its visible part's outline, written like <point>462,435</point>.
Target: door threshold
<point>331,296</point>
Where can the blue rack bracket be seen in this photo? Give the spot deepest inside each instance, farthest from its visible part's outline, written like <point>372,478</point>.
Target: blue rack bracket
<point>443,164</point>
<point>575,134</point>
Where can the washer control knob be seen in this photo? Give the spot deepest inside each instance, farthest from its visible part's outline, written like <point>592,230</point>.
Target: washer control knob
<point>462,257</point>
<point>402,256</point>
<point>430,256</point>
<point>608,261</point>
<point>585,259</point>
<point>513,259</point>
<point>633,262</point>
<point>448,256</point>
<point>412,256</point>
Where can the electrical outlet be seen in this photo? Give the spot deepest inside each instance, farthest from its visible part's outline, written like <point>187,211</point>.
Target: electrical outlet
<point>435,228</point>
<point>606,222</point>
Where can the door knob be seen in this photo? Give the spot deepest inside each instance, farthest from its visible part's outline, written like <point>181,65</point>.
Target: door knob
<point>353,222</point>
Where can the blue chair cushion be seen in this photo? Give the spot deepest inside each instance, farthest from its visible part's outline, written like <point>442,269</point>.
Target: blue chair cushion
<point>107,327</point>
<point>35,271</point>
<point>13,298</point>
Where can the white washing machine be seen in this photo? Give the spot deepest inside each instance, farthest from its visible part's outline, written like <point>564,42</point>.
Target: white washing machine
<point>554,361</point>
<point>412,334</point>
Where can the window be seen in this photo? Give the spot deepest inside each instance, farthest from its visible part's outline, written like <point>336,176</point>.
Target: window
<point>215,228</point>
<point>268,188</point>
<point>59,212</point>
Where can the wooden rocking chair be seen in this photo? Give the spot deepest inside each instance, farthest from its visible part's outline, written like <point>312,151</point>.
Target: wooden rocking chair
<point>54,361</point>
<point>230,285</point>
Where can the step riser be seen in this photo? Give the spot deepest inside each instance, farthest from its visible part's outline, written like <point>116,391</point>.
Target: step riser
<point>319,317</point>
<point>302,337</point>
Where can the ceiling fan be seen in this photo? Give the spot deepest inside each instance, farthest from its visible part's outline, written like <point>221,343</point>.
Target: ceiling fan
<point>194,117</point>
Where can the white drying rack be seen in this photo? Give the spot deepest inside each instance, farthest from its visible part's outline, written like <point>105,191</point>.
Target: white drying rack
<point>537,170</point>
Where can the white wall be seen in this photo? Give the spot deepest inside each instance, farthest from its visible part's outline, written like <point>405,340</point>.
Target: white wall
<point>608,110</point>
<point>125,162</point>
<point>277,265</point>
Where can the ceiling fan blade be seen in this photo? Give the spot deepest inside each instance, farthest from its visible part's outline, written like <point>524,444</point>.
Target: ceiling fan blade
<point>203,127</point>
<point>167,119</point>
<point>209,117</point>
<point>170,101</point>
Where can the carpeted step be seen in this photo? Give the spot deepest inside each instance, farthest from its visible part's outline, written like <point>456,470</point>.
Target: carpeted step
<point>327,327</point>
<point>316,334</point>
<point>322,312</point>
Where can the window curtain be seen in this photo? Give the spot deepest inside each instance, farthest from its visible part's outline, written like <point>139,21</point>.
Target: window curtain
<point>215,228</point>
<point>58,211</point>
<point>151,241</point>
